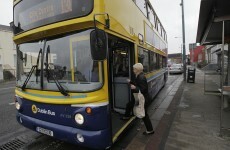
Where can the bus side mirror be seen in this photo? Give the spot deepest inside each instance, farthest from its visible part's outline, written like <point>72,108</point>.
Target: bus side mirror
<point>98,44</point>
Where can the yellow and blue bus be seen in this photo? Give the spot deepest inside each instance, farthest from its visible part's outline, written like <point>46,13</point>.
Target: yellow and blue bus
<point>73,61</point>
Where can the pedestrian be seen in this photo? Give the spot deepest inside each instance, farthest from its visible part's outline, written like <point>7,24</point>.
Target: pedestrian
<point>139,84</point>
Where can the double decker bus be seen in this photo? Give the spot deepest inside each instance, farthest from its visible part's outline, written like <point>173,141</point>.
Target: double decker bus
<point>73,61</point>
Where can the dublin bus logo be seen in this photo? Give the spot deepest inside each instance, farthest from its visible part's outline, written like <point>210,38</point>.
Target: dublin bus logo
<point>34,109</point>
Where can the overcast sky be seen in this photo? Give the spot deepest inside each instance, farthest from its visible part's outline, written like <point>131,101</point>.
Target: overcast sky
<point>169,12</point>
<point>6,12</point>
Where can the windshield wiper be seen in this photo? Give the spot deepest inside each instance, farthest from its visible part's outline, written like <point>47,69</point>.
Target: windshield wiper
<point>31,71</point>
<point>58,84</point>
<point>49,72</point>
<point>28,77</point>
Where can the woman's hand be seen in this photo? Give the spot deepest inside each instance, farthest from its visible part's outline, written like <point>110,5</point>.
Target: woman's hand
<point>132,86</point>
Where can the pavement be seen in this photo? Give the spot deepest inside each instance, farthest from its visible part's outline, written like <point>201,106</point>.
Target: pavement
<point>185,119</point>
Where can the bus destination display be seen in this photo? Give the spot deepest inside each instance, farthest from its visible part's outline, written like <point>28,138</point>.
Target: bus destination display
<point>29,14</point>
<point>45,10</point>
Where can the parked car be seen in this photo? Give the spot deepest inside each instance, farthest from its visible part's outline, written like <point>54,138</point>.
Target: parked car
<point>176,68</point>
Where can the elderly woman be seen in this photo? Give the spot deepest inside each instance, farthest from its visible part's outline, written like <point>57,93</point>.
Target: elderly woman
<point>140,83</point>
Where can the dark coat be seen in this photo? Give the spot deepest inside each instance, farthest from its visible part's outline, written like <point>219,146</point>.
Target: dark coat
<point>141,84</point>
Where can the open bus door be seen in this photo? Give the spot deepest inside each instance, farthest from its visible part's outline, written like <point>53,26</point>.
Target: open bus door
<point>121,73</point>
<point>121,61</point>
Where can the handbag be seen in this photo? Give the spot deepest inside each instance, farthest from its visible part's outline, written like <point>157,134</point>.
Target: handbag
<point>139,107</point>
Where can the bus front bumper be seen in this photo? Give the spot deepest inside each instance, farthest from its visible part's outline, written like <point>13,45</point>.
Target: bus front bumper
<point>94,139</point>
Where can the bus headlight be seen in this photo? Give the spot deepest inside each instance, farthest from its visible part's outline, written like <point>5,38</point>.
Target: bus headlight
<point>79,119</point>
<point>17,105</point>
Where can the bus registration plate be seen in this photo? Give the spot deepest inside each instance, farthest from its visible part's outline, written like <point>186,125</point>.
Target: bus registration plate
<point>45,131</point>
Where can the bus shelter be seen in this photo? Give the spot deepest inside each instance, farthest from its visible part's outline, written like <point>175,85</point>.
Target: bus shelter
<point>214,29</point>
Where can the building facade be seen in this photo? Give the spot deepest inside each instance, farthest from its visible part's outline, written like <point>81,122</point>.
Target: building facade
<point>213,53</point>
<point>7,53</point>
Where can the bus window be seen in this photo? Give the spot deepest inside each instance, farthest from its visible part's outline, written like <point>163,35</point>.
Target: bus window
<point>95,72</point>
<point>67,59</point>
<point>157,64</point>
<point>32,53</point>
<point>142,6</point>
<point>164,62</point>
<point>143,57</point>
<point>120,63</point>
<point>153,61</point>
<point>160,62</point>
<point>151,15</point>
<point>73,57</point>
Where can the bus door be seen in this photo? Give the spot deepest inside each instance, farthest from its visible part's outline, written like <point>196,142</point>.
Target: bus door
<point>120,74</point>
<point>121,58</point>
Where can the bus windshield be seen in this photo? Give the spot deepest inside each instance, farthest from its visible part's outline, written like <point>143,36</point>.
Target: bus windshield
<point>66,59</point>
<point>29,14</point>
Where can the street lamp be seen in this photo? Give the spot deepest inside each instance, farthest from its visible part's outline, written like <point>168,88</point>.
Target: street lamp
<point>183,31</point>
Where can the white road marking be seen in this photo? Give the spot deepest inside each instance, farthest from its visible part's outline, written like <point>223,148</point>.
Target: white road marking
<point>13,103</point>
<point>7,88</point>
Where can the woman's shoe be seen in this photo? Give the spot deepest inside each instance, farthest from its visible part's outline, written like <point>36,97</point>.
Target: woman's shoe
<point>148,132</point>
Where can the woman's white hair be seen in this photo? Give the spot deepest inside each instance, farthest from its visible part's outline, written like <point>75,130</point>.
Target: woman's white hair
<point>138,66</point>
